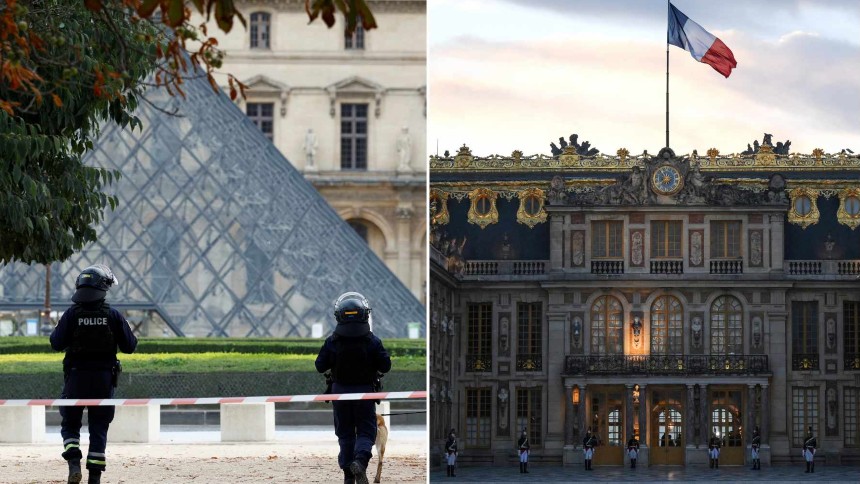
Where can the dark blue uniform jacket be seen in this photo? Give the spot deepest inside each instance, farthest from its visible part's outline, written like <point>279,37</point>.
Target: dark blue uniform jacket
<point>61,339</point>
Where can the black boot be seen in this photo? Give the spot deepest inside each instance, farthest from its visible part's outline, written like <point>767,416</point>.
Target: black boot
<point>521,467</point>
<point>348,478</point>
<point>716,463</point>
<point>358,470</point>
<point>812,467</point>
<point>75,474</point>
<point>95,477</point>
<point>453,467</point>
<point>807,468</point>
<point>525,467</point>
<point>711,463</point>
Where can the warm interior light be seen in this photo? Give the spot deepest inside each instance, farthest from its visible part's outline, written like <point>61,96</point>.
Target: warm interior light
<point>576,395</point>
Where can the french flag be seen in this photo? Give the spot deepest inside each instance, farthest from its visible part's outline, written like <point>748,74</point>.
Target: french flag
<point>702,45</point>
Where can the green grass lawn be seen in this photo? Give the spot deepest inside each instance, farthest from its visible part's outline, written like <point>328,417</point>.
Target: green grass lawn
<point>148,363</point>
<point>397,347</point>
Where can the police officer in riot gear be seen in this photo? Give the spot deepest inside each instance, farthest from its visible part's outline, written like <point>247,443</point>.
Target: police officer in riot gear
<point>354,355</point>
<point>90,332</point>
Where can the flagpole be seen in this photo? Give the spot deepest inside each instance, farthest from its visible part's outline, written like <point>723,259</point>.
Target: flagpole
<point>669,9</point>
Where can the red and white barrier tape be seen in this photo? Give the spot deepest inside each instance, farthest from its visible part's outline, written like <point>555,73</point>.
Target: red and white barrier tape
<point>109,402</point>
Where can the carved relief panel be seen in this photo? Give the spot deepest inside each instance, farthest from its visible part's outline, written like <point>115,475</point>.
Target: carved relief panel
<point>577,248</point>
<point>697,248</point>
<point>756,248</point>
<point>637,248</point>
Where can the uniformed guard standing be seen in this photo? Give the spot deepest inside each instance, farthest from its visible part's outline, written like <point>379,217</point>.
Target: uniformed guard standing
<point>588,445</point>
<point>90,332</point>
<point>754,449</point>
<point>354,355</point>
<point>809,447</point>
<point>633,450</point>
<point>451,450</point>
<point>714,451</point>
<point>524,447</point>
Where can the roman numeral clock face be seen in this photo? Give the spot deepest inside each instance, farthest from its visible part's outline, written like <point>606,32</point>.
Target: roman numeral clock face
<point>667,180</point>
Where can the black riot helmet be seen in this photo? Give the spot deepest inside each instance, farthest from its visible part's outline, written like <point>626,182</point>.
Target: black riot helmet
<point>352,312</point>
<point>93,283</point>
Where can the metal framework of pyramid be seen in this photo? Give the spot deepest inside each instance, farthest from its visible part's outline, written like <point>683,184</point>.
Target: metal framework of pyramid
<point>217,232</point>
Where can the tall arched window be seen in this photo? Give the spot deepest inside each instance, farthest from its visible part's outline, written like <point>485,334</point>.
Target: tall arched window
<point>667,326</point>
<point>727,326</point>
<point>261,27</point>
<point>606,326</point>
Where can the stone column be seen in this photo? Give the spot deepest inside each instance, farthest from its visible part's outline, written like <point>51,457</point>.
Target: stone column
<point>689,431</point>
<point>556,240</point>
<point>568,414</point>
<point>404,244</point>
<point>643,416</point>
<point>750,414</point>
<point>582,399</point>
<point>765,414</point>
<point>704,418</point>
<point>628,414</point>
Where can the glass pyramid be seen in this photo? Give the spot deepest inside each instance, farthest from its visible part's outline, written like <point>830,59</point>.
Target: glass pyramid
<point>217,233</point>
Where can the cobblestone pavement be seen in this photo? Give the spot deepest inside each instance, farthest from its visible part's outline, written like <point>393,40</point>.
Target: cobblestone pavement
<point>833,474</point>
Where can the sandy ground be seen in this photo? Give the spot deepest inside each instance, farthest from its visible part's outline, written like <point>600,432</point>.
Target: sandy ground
<point>197,457</point>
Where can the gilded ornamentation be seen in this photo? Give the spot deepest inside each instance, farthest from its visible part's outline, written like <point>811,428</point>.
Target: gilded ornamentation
<point>517,154</point>
<point>623,154</point>
<point>464,157</point>
<point>483,211</point>
<point>531,211</point>
<point>849,207</point>
<point>568,157</point>
<point>713,153</point>
<point>817,153</point>
<point>765,156</point>
<point>439,215</point>
<point>804,208</point>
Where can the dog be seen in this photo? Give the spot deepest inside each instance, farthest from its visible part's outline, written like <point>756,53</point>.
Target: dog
<point>381,440</point>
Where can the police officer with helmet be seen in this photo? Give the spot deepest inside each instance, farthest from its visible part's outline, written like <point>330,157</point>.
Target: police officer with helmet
<point>354,355</point>
<point>90,332</point>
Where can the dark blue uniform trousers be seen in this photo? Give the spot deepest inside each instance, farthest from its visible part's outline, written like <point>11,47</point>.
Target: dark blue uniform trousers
<point>87,384</point>
<point>354,425</point>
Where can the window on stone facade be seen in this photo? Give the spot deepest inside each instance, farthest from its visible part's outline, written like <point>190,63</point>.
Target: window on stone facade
<point>667,321</point>
<point>355,41</point>
<point>479,337</point>
<point>851,330</point>
<point>725,239</point>
<point>261,115</point>
<point>353,136</point>
<point>666,239</point>
<point>261,27</point>
<point>804,335</point>
<point>607,238</point>
<point>804,413</point>
<point>259,276</point>
<point>529,413</point>
<point>529,336</point>
<point>359,228</point>
<point>852,423</point>
<point>727,327</point>
<point>478,418</point>
<point>607,323</point>
<point>164,271</point>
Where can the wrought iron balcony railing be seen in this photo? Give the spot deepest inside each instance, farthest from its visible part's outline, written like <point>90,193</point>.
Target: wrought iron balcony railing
<point>506,268</point>
<point>529,362</point>
<point>479,363</point>
<point>852,362</point>
<point>666,365</point>
<point>804,361</point>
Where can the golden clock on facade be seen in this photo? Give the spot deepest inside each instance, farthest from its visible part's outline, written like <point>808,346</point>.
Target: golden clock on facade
<point>667,180</point>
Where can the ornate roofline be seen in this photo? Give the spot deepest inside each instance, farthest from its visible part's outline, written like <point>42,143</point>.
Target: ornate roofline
<point>623,161</point>
<point>376,6</point>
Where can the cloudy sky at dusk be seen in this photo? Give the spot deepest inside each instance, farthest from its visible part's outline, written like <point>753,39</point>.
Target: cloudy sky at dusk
<point>517,74</point>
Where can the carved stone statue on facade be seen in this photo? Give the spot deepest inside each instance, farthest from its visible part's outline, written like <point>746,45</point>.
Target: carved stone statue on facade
<point>456,261</point>
<point>504,325</point>
<point>636,251</point>
<point>310,147</point>
<point>767,140</point>
<point>583,149</point>
<point>503,408</point>
<point>782,148</point>
<point>404,149</point>
<point>557,193</point>
<point>696,248</point>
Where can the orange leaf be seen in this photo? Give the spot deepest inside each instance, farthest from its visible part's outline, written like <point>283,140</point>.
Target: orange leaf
<point>57,101</point>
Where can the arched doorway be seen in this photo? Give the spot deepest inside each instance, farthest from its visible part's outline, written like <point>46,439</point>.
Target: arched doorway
<point>667,428</point>
<point>607,422</point>
<point>727,424</point>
